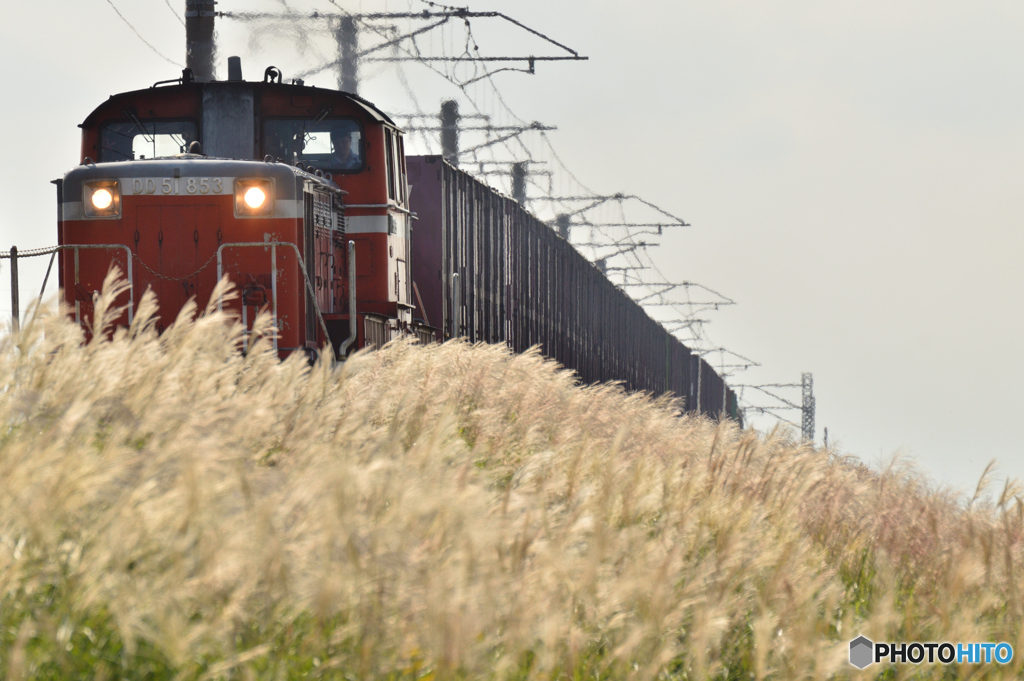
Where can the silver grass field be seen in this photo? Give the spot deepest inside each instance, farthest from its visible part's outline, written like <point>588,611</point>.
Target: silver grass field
<point>173,509</point>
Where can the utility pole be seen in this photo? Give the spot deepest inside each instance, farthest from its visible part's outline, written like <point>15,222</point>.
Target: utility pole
<point>450,131</point>
<point>519,182</point>
<point>807,422</point>
<point>347,36</point>
<point>200,48</point>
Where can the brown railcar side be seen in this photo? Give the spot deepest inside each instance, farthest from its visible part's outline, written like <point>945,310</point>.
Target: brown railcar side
<point>490,271</point>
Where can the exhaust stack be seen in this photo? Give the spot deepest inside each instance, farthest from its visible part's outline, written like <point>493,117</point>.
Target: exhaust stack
<point>235,68</point>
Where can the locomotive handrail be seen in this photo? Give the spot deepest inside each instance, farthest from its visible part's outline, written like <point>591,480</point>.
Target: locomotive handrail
<point>353,329</point>
<point>389,206</point>
<point>186,77</point>
<point>13,254</point>
<point>273,278</point>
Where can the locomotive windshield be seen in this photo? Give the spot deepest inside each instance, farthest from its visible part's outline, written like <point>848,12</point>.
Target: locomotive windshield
<point>136,139</point>
<point>333,144</point>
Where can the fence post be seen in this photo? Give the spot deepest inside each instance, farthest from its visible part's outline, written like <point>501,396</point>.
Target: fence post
<point>15,312</point>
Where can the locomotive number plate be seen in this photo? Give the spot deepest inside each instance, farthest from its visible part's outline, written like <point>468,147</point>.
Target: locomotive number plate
<point>179,186</point>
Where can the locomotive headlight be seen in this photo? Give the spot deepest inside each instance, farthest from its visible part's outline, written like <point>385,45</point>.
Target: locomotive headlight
<point>254,198</point>
<point>101,199</point>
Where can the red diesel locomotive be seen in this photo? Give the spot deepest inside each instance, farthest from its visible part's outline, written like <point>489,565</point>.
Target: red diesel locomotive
<point>286,186</point>
<point>299,195</point>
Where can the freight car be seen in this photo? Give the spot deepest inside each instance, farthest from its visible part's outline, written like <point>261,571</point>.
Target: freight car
<point>303,197</point>
<point>488,270</point>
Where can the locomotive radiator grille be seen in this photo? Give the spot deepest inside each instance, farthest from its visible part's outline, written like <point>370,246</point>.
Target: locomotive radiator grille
<point>323,216</point>
<point>339,216</point>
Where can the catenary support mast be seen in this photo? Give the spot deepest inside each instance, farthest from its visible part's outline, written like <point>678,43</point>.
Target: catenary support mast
<point>807,422</point>
<point>200,46</point>
<point>347,36</point>
<point>450,131</point>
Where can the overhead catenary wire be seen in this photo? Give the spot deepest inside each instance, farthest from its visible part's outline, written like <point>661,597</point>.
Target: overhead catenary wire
<point>464,14</point>
<point>139,35</point>
<point>788,404</point>
<point>176,15</point>
<point>596,199</point>
<point>597,216</point>
<point>402,78</point>
<point>415,55</point>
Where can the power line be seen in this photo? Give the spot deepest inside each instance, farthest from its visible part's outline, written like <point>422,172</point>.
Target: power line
<point>437,4</point>
<point>463,14</point>
<point>806,407</point>
<point>444,17</point>
<point>604,216</point>
<point>128,23</point>
<point>594,198</point>
<point>176,16</point>
<point>416,55</point>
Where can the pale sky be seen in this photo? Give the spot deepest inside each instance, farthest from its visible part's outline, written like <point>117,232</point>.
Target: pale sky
<point>851,170</point>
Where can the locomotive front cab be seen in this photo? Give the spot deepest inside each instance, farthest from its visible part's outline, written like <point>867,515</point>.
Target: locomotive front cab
<point>176,225</point>
<point>264,204</point>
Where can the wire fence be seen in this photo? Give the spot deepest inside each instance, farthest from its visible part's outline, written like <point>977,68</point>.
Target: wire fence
<point>14,256</point>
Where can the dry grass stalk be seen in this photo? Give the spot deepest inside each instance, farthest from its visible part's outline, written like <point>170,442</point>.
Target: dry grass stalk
<point>174,509</point>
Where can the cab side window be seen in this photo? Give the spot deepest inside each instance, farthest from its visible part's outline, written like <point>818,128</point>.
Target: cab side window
<point>389,150</point>
<point>332,144</point>
<point>403,182</point>
<point>396,165</point>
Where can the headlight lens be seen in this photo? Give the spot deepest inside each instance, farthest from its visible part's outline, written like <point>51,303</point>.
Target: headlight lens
<point>101,198</point>
<point>254,198</point>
